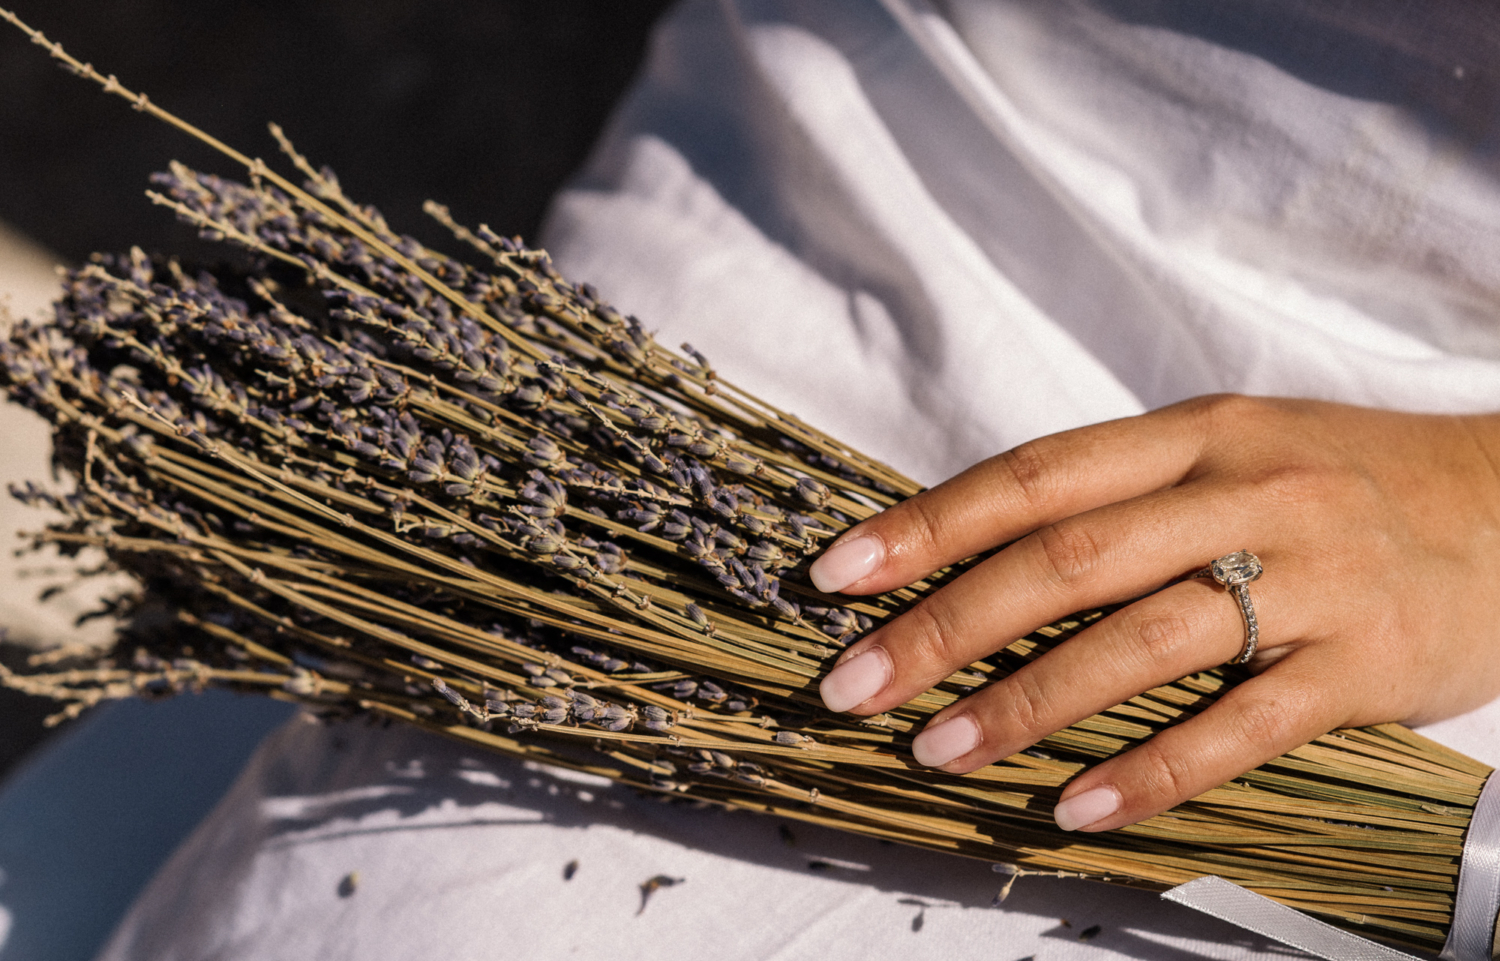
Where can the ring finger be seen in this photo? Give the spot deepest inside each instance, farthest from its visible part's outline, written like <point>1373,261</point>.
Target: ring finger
<point>1191,626</point>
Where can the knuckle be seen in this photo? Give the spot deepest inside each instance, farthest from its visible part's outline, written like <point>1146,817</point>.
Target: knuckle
<point>1163,638</point>
<point>1232,412</point>
<point>1224,421</point>
<point>933,644</point>
<point>1165,774</point>
<point>925,527</point>
<point>1264,722</point>
<point>1031,473</point>
<point>1069,552</point>
<point>1282,485</point>
<point>1028,706</point>
<point>1297,486</point>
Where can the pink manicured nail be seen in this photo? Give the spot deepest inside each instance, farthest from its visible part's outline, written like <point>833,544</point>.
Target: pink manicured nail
<point>856,680</point>
<point>1092,805</point>
<point>846,562</point>
<point>942,742</point>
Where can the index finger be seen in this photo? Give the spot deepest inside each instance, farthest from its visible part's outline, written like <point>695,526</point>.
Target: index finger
<point>1000,499</point>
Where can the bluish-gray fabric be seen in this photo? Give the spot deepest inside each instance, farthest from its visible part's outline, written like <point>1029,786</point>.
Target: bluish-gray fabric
<point>87,822</point>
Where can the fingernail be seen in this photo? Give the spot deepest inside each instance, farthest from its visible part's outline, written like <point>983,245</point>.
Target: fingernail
<point>846,562</point>
<point>856,680</point>
<point>942,742</point>
<point>1084,809</point>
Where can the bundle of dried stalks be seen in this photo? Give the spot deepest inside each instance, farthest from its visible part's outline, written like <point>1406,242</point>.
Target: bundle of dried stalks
<point>469,495</point>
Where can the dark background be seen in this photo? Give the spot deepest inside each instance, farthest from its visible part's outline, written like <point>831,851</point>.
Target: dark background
<point>485,105</point>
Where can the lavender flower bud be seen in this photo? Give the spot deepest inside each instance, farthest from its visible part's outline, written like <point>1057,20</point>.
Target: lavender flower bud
<point>765,551</point>
<point>545,543</point>
<point>615,718</point>
<point>610,559</point>
<point>813,492</point>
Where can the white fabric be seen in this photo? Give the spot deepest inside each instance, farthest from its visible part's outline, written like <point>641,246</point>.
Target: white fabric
<point>459,854</point>
<point>935,236</point>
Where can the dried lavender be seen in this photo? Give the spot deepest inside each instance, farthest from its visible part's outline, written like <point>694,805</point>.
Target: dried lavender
<point>384,480</point>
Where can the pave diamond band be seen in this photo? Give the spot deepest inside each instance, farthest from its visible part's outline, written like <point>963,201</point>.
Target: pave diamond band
<point>1235,571</point>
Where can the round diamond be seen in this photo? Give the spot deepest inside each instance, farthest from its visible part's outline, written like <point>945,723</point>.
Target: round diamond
<point>1241,567</point>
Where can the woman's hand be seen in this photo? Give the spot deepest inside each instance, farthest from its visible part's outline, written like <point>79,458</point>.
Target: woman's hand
<point>1380,535</point>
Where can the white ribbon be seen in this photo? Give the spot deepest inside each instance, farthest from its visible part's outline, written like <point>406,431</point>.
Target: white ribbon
<point>1228,901</point>
<point>1473,936</point>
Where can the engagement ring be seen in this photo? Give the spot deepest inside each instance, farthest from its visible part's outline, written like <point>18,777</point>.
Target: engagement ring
<point>1235,571</point>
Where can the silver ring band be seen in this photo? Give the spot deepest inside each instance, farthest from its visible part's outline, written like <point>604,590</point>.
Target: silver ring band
<point>1235,571</point>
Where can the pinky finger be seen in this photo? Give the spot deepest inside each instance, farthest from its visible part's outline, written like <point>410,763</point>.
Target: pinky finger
<point>1261,719</point>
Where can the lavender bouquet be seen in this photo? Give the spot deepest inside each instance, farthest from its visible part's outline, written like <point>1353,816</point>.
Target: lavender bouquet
<point>466,494</point>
